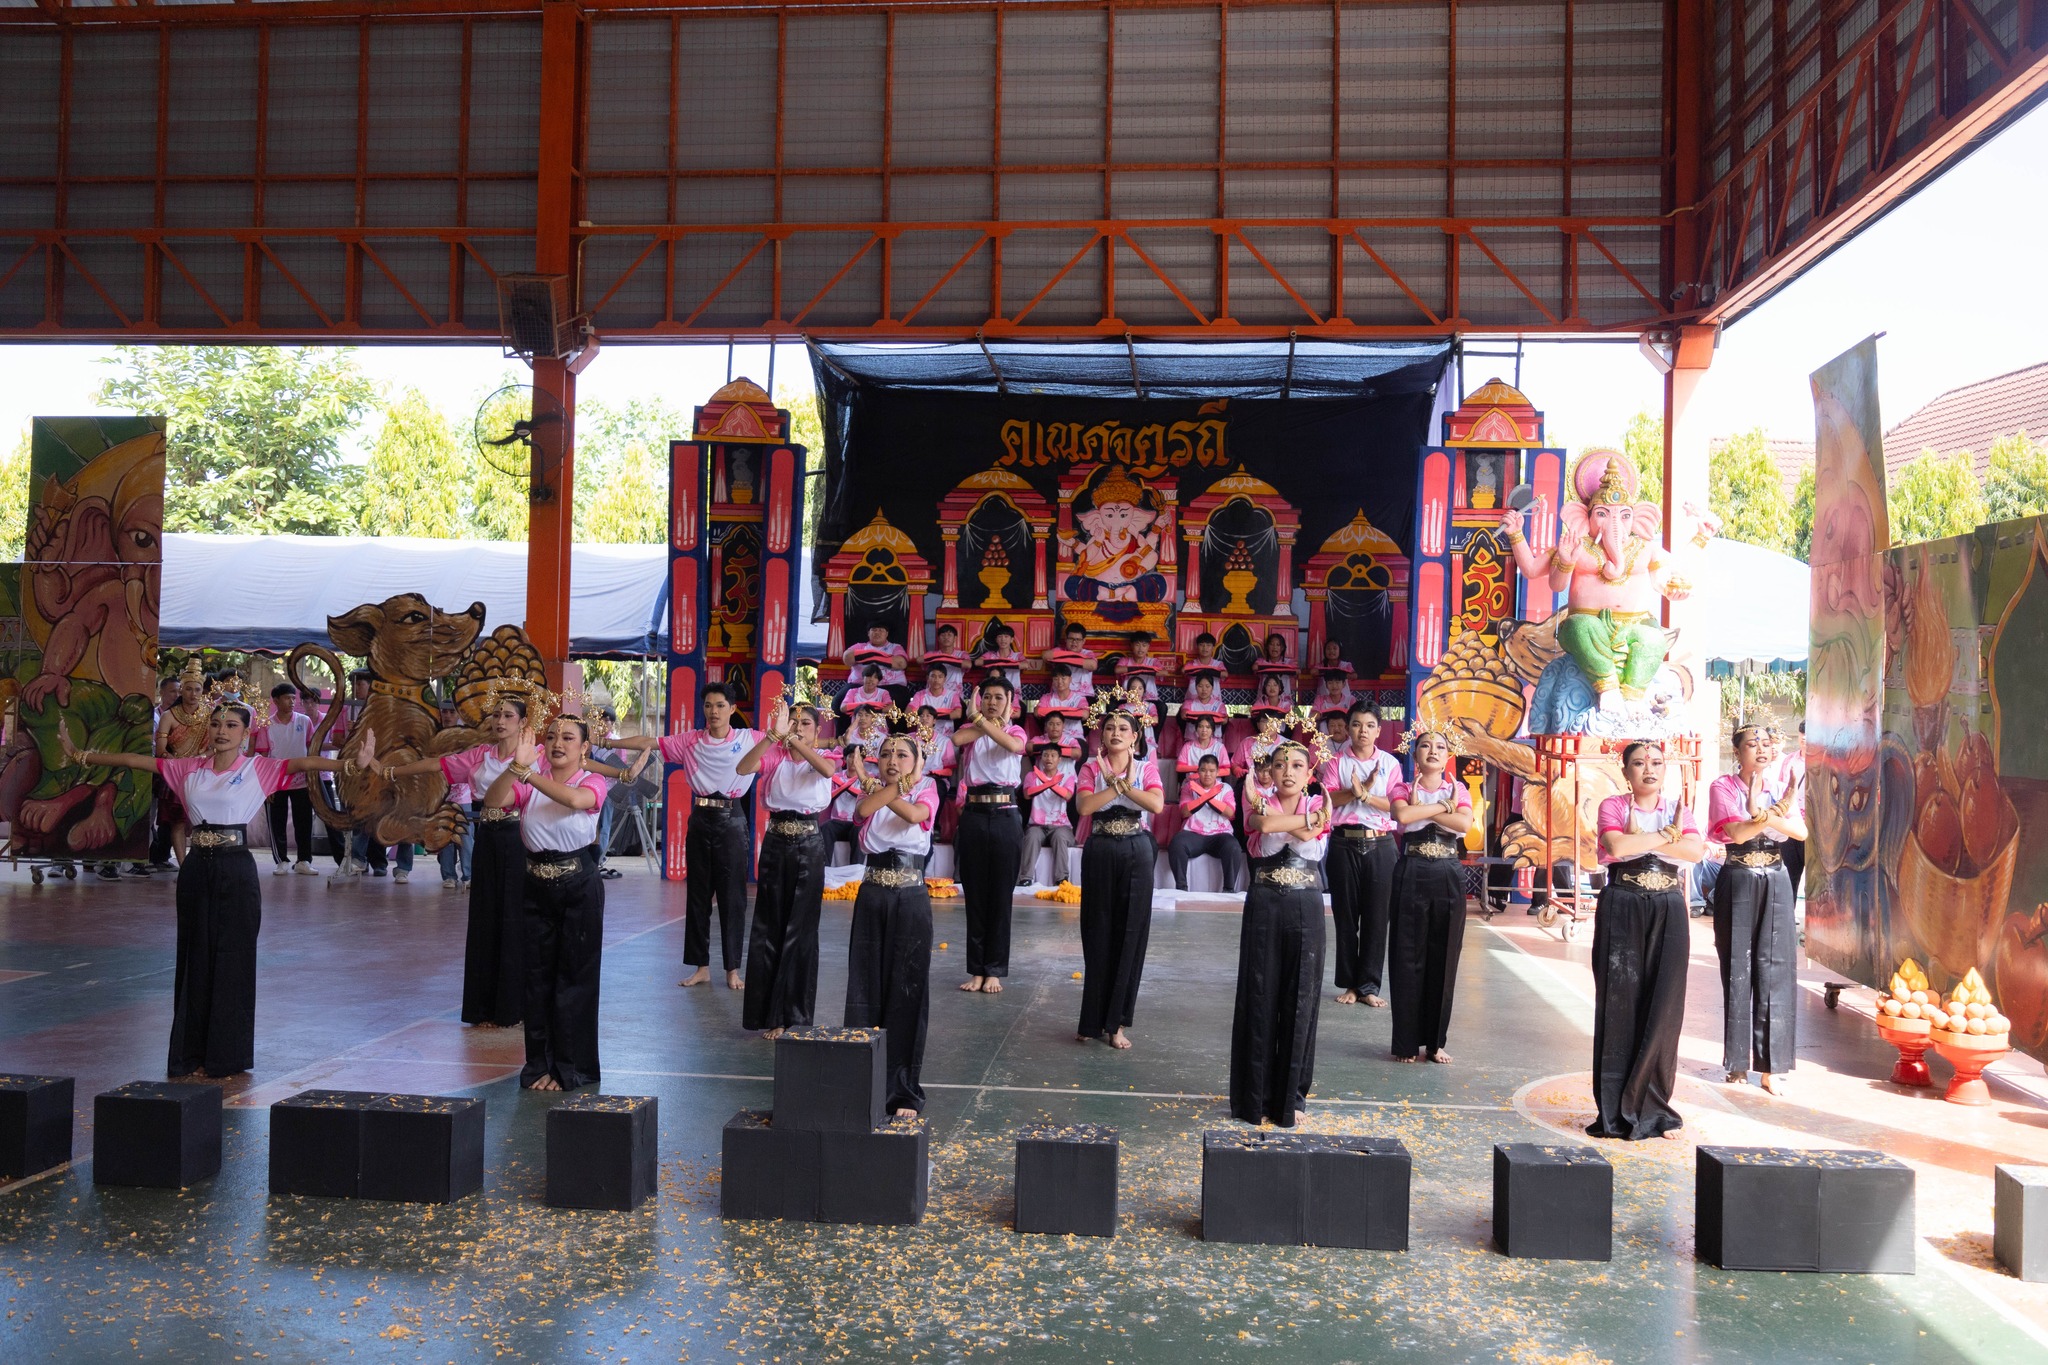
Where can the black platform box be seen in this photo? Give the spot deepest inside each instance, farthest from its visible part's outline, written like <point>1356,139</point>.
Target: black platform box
<point>1770,1208</point>
<point>1552,1203</point>
<point>1253,1187</point>
<point>35,1124</point>
<point>1357,1193</point>
<point>880,1177</point>
<point>1315,1189</point>
<point>602,1151</point>
<point>161,1134</point>
<point>1066,1179</point>
<point>831,1080</point>
<point>316,1143</point>
<point>422,1149</point>
<point>769,1171</point>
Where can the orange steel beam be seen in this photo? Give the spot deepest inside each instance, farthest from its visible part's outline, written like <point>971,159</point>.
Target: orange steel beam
<point>1721,275</point>
<point>552,512</point>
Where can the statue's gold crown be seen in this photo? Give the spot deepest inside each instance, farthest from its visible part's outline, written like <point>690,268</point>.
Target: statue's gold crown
<point>1613,486</point>
<point>1117,486</point>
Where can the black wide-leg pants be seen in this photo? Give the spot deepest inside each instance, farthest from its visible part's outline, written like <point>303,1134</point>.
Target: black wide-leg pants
<point>1641,944</point>
<point>1758,945</point>
<point>564,958</point>
<point>782,951</point>
<point>888,979</point>
<point>494,953</point>
<point>213,1014</point>
<point>717,854</point>
<point>988,846</point>
<point>1116,925</point>
<point>1423,944</point>
<point>1361,873</point>
<point>1279,997</point>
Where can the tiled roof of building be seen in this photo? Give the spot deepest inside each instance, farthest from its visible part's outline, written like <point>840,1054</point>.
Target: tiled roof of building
<point>1972,417</point>
<point>1792,456</point>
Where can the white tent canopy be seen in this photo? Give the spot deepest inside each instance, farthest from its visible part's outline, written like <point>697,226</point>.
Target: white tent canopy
<point>1752,610</point>
<point>274,592</point>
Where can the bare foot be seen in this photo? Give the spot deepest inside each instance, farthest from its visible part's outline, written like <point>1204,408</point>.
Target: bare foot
<point>1300,1117</point>
<point>904,1113</point>
<point>1080,1037</point>
<point>1347,997</point>
<point>1119,1042</point>
<point>991,985</point>
<point>1440,1058</point>
<point>1399,1058</point>
<point>772,1034</point>
<point>1738,1078</point>
<point>1673,1133</point>
<point>1773,1084</point>
<point>972,983</point>
<point>732,980</point>
<point>97,829</point>
<point>696,978</point>
<point>545,1083</point>
<point>1374,1002</point>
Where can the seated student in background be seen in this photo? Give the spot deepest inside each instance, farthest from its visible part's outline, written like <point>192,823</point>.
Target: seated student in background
<point>1276,660</point>
<point>1139,666</point>
<point>1000,656</point>
<point>945,655</point>
<point>1333,694</point>
<point>1053,731</point>
<point>1203,661</point>
<point>1062,700</point>
<point>886,655</point>
<point>1261,742</point>
<point>1073,654</point>
<point>860,747</point>
<point>1205,698</point>
<point>938,752</point>
<point>871,693</point>
<point>941,699</point>
<point>1201,742</point>
<point>1048,788</point>
<point>1208,810</point>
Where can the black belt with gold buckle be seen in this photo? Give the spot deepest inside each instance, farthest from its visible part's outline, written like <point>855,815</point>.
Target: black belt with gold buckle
<point>1431,848</point>
<point>1360,834</point>
<point>217,838</point>
<point>1117,829</point>
<point>792,824</point>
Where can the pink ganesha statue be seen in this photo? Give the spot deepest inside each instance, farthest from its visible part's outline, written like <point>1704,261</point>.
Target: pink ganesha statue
<point>1613,568</point>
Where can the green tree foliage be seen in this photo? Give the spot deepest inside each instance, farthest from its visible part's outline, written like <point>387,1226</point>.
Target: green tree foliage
<point>622,470</point>
<point>807,429</point>
<point>1802,515</point>
<point>1745,492</point>
<point>1643,442</point>
<point>2017,483</point>
<point>416,475</point>
<point>14,501</point>
<point>255,433</point>
<point>1935,496</point>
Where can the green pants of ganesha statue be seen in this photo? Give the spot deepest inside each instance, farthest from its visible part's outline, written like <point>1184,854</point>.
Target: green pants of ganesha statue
<point>1615,648</point>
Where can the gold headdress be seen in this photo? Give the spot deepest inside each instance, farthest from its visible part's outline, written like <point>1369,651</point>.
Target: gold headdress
<point>542,705</point>
<point>910,720</point>
<point>261,712</point>
<point>1614,485</point>
<point>1128,700</point>
<point>1313,740</point>
<point>1117,486</point>
<point>1454,738</point>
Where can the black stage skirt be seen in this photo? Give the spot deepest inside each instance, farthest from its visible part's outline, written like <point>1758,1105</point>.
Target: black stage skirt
<point>782,950</point>
<point>1758,944</point>
<point>1116,924</point>
<point>564,913</point>
<point>1423,943</point>
<point>888,967</point>
<point>220,911</point>
<point>1641,944</point>
<point>494,957</point>
<point>988,844</point>
<point>1279,992</point>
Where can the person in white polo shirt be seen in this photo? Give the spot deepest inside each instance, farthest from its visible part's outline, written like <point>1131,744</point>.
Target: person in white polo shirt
<point>287,735</point>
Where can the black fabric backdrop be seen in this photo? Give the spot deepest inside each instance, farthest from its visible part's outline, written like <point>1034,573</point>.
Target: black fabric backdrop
<point>900,451</point>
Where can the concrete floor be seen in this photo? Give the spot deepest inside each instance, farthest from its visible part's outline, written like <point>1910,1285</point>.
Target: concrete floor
<point>358,989</point>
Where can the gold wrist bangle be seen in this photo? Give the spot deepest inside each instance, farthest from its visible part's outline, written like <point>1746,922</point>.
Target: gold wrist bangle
<point>1515,536</point>
<point>1559,561</point>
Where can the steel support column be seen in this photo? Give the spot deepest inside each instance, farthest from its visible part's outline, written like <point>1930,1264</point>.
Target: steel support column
<point>551,522</point>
